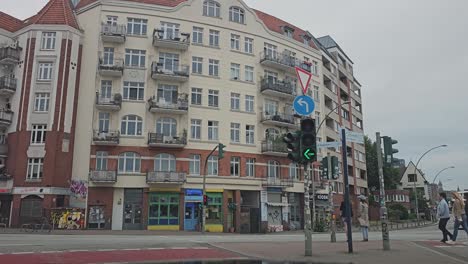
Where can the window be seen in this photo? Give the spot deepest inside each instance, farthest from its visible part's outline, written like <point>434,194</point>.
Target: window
<point>270,51</point>
<point>250,167</point>
<point>106,91</point>
<point>194,164</point>
<point>131,125</point>
<point>235,71</point>
<point>170,30</point>
<point>235,101</point>
<point>167,93</point>
<point>235,132</point>
<point>197,65</point>
<point>316,94</point>
<point>41,102</point>
<point>237,15</point>
<point>250,134</point>
<point>271,134</point>
<point>235,42</point>
<point>163,209</point>
<point>165,162</point>
<point>211,8</point>
<point>38,134</point>
<point>101,160</point>
<point>314,69</point>
<point>235,166</point>
<point>111,20</point>
<point>136,26</point>
<point>169,61</point>
<point>104,120</point>
<point>294,171</point>
<point>214,38</point>
<point>213,166</point>
<point>35,168</point>
<point>273,169</point>
<point>213,98</point>
<point>411,177</point>
<point>271,107</point>
<point>213,67</point>
<point>197,36</point>
<point>31,207</point>
<point>108,56</point>
<point>212,130</point>
<point>345,114</point>
<point>166,126</point>
<point>249,103</point>
<point>197,96</point>
<point>48,40</point>
<point>248,45</point>
<point>129,162</point>
<point>195,129</point>
<point>45,71</point>
<point>249,73</point>
<point>134,91</point>
<point>135,58</point>
<point>288,33</point>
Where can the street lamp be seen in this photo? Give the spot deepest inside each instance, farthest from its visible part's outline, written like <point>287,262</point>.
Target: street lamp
<point>329,113</point>
<point>435,178</point>
<point>415,176</point>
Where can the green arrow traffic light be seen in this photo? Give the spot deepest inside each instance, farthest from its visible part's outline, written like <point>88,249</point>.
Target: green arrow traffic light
<point>309,154</point>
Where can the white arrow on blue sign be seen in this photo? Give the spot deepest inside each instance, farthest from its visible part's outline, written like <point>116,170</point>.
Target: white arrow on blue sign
<point>304,105</point>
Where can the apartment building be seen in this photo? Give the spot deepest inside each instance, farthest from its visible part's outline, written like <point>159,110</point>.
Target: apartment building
<point>39,69</point>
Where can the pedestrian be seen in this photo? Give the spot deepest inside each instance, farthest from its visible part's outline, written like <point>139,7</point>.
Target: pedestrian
<point>363,217</point>
<point>444,215</point>
<point>344,218</point>
<point>459,214</point>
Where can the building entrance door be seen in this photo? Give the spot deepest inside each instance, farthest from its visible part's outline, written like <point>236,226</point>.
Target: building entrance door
<point>133,203</point>
<point>191,216</point>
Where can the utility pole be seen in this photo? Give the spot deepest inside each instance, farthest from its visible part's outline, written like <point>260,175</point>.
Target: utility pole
<point>314,217</point>
<point>346,182</point>
<point>383,208</point>
<point>330,196</point>
<point>307,217</point>
<point>205,172</point>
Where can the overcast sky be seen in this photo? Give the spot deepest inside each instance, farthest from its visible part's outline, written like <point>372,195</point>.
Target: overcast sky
<point>411,58</point>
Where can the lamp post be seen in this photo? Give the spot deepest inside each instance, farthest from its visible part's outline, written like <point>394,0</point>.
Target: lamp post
<point>415,174</point>
<point>329,113</point>
<point>435,178</point>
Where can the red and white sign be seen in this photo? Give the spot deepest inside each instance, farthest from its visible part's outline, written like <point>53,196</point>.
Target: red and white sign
<point>304,78</point>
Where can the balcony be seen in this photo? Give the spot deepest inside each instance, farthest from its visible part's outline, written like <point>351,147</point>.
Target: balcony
<point>5,176</point>
<point>9,55</point>
<point>274,148</point>
<point>170,40</point>
<point>103,176</point>
<point>165,177</point>
<point>275,182</point>
<point>111,68</point>
<point>7,85</point>
<point>109,138</point>
<point>159,105</point>
<point>113,33</point>
<point>111,103</point>
<point>6,117</point>
<point>278,119</point>
<point>283,62</point>
<point>3,149</point>
<point>278,88</point>
<point>175,73</point>
<point>162,141</point>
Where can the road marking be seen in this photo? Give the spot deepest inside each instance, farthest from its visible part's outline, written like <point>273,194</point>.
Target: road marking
<point>200,248</point>
<point>20,253</point>
<point>106,249</point>
<point>154,248</point>
<point>13,245</point>
<point>48,252</point>
<point>178,248</point>
<point>455,246</point>
<point>438,253</point>
<point>78,250</point>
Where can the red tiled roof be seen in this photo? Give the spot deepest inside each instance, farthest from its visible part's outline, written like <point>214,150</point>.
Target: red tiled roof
<point>55,12</point>
<point>9,23</point>
<point>275,24</point>
<point>170,3</point>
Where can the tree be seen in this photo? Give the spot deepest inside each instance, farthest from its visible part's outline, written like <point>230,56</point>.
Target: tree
<point>391,175</point>
<point>398,212</point>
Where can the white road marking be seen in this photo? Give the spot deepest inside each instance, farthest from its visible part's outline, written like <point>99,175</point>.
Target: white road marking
<point>439,253</point>
<point>48,252</point>
<point>178,248</point>
<point>20,253</point>
<point>200,248</point>
<point>78,250</point>
<point>106,249</point>
<point>154,248</point>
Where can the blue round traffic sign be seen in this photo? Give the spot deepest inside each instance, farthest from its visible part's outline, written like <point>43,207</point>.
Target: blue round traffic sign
<point>304,105</point>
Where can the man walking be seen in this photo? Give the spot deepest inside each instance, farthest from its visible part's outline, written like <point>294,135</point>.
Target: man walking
<point>444,215</point>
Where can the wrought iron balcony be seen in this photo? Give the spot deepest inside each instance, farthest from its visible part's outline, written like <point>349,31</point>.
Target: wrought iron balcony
<point>160,140</point>
<point>275,182</point>
<point>113,68</point>
<point>278,88</point>
<point>9,55</point>
<point>106,137</point>
<point>279,119</point>
<point>178,73</point>
<point>111,103</point>
<point>113,33</point>
<point>7,85</point>
<point>166,177</point>
<point>171,40</point>
<point>107,176</point>
<point>6,117</point>
<point>274,148</point>
<point>159,105</point>
<point>282,61</point>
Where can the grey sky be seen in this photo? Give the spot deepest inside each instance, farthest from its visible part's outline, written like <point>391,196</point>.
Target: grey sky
<point>410,57</point>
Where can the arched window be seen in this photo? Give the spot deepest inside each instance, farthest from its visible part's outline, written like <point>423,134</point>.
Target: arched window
<point>129,162</point>
<point>132,125</point>
<point>211,8</point>
<point>237,14</point>
<point>166,126</point>
<point>165,162</point>
<point>271,134</point>
<point>30,208</point>
<point>273,169</point>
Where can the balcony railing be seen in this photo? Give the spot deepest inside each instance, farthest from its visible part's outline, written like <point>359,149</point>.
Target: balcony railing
<point>103,176</point>
<point>275,182</point>
<point>106,137</point>
<point>5,176</point>
<point>6,116</point>
<point>176,71</point>
<point>159,139</point>
<point>174,40</point>
<point>7,84</point>
<point>274,147</point>
<point>278,117</point>
<point>113,30</point>
<point>283,61</point>
<point>284,87</point>
<point>165,177</point>
<point>156,104</point>
<point>114,65</point>
<point>10,54</point>
<point>113,101</point>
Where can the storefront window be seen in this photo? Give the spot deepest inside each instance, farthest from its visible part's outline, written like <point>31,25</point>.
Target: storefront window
<point>215,208</point>
<point>163,209</point>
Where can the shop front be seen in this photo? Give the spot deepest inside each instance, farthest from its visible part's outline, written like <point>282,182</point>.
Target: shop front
<point>163,213</point>
<point>214,212</point>
<point>193,202</point>
<point>275,210</point>
<point>296,210</point>
<point>6,200</point>
<point>250,212</point>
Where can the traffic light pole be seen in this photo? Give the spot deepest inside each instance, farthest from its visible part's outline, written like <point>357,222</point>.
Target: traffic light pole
<point>307,217</point>
<point>383,208</point>
<point>330,196</point>
<point>205,172</point>
<point>346,182</point>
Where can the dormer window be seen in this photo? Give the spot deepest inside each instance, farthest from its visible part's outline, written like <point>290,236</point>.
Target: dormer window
<point>288,31</point>
<point>306,39</point>
<point>211,8</point>
<point>237,14</point>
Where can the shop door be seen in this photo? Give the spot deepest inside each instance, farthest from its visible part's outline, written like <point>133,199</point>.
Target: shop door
<point>191,216</point>
<point>133,203</point>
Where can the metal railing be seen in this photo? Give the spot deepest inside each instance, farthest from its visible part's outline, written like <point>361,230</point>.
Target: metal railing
<point>6,115</point>
<point>279,86</point>
<point>9,53</point>
<point>274,146</point>
<point>106,136</point>
<point>284,59</point>
<point>181,104</point>
<point>158,34</point>
<point>278,117</point>
<point>116,64</point>
<point>163,176</point>
<point>8,83</point>
<point>114,99</point>
<point>119,30</point>
<point>103,176</point>
<point>275,182</point>
<point>159,138</point>
<point>175,70</point>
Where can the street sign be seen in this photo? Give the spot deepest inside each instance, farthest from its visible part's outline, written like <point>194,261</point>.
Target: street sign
<point>304,78</point>
<point>333,144</point>
<point>304,105</point>
<point>351,136</point>
<point>321,197</point>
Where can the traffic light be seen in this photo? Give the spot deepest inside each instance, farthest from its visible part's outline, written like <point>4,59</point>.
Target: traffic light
<point>221,151</point>
<point>205,200</point>
<point>335,168</point>
<point>293,144</point>
<point>325,172</point>
<point>309,140</point>
<point>388,143</point>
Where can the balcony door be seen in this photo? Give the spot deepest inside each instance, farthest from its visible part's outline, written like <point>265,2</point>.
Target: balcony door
<point>167,94</point>
<point>108,58</point>
<point>166,126</point>
<point>106,92</point>
<point>170,30</point>
<point>169,61</point>
<point>271,108</point>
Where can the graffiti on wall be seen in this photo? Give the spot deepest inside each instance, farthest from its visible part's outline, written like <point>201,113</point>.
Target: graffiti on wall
<point>79,188</point>
<point>68,218</point>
